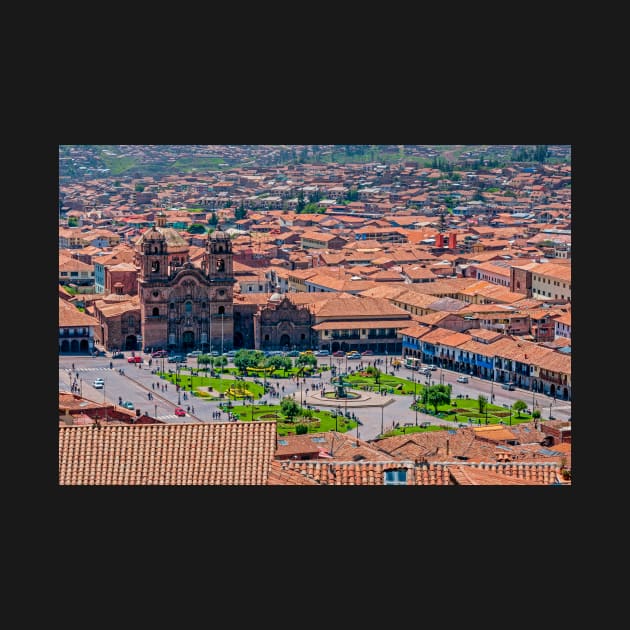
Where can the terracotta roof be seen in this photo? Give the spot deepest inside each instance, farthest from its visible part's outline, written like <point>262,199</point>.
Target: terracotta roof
<point>70,315</point>
<point>227,453</point>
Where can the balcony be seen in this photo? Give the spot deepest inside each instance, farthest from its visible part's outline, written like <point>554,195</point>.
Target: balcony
<point>336,336</point>
<point>377,336</point>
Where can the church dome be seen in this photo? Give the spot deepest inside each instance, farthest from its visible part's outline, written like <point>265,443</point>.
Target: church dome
<point>275,297</point>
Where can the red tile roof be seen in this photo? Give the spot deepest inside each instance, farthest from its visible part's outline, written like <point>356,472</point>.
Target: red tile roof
<point>229,453</point>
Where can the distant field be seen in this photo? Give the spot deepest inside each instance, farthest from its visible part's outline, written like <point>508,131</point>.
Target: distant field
<point>189,164</point>
<point>117,165</point>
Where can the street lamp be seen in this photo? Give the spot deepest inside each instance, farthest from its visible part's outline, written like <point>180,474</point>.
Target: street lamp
<point>337,414</point>
<point>179,389</point>
<point>382,409</point>
<point>81,387</point>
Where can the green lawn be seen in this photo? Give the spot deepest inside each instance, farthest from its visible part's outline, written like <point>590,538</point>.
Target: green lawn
<point>229,387</point>
<point>319,421</point>
<point>396,384</point>
<point>469,408</point>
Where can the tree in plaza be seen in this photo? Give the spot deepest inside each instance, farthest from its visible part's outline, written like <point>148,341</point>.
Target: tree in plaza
<point>220,362</point>
<point>306,360</point>
<point>289,408</point>
<point>438,395</point>
<point>275,362</point>
<point>244,359</point>
<point>482,403</point>
<point>518,406</point>
<point>287,364</point>
<point>204,359</point>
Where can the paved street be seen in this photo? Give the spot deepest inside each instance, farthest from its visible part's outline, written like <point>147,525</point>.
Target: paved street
<point>373,412</point>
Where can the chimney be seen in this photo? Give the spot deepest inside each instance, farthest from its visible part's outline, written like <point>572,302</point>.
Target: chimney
<point>439,240</point>
<point>452,240</point>
<point>447,446</point>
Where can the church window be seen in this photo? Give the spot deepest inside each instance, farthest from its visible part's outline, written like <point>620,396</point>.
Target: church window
<point>156,312</point>
<point>220,264</point>
<point>155,266</point>
<point>188,307</point>
<point>172,306</point>
<point>221,310</point>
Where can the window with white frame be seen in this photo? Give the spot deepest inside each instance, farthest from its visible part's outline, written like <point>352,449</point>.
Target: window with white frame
<point>397,477</point>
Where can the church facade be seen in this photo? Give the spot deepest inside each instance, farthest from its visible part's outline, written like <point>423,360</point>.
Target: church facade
<point>183,307</point>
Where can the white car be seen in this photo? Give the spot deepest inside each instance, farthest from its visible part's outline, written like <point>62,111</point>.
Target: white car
<point>462,379</point>
<point>98,383</point>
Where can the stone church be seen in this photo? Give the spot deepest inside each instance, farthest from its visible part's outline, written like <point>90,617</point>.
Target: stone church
<point>184,307</point>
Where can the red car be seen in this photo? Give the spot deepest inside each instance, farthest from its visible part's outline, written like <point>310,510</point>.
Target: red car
<point>134,360</point>
<point>179,411</point>
<point>339,353</point>
<point>367,353</point>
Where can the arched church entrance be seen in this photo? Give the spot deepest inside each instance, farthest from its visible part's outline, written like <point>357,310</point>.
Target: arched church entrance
<point>188,341</point>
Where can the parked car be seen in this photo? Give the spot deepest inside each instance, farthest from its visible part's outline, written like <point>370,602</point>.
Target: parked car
<point>98,383</point>
<point>118,355</point>
<point>432,367</point>
<point>339,353</point>
<point>509,386</point>
<point>194,353</point>
<point>354,355</point>
<point>136,359</point>
<point>127,404</point>
<point>179,412</point>
<point>462,379</point>
<point>322,353</point>
<point>367,353</point>
<point>158,354</point>
<point>293,353</point>
<point>175,358</point>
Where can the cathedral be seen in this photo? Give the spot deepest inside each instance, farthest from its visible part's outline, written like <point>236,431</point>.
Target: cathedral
<point>184,307</point>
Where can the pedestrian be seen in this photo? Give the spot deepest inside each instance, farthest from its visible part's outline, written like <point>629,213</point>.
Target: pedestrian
<point>193,409</point>
<point>153,386</point>
<point>73,366</point>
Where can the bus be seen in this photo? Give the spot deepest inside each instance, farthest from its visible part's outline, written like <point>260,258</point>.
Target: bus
<point>413,363</point>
